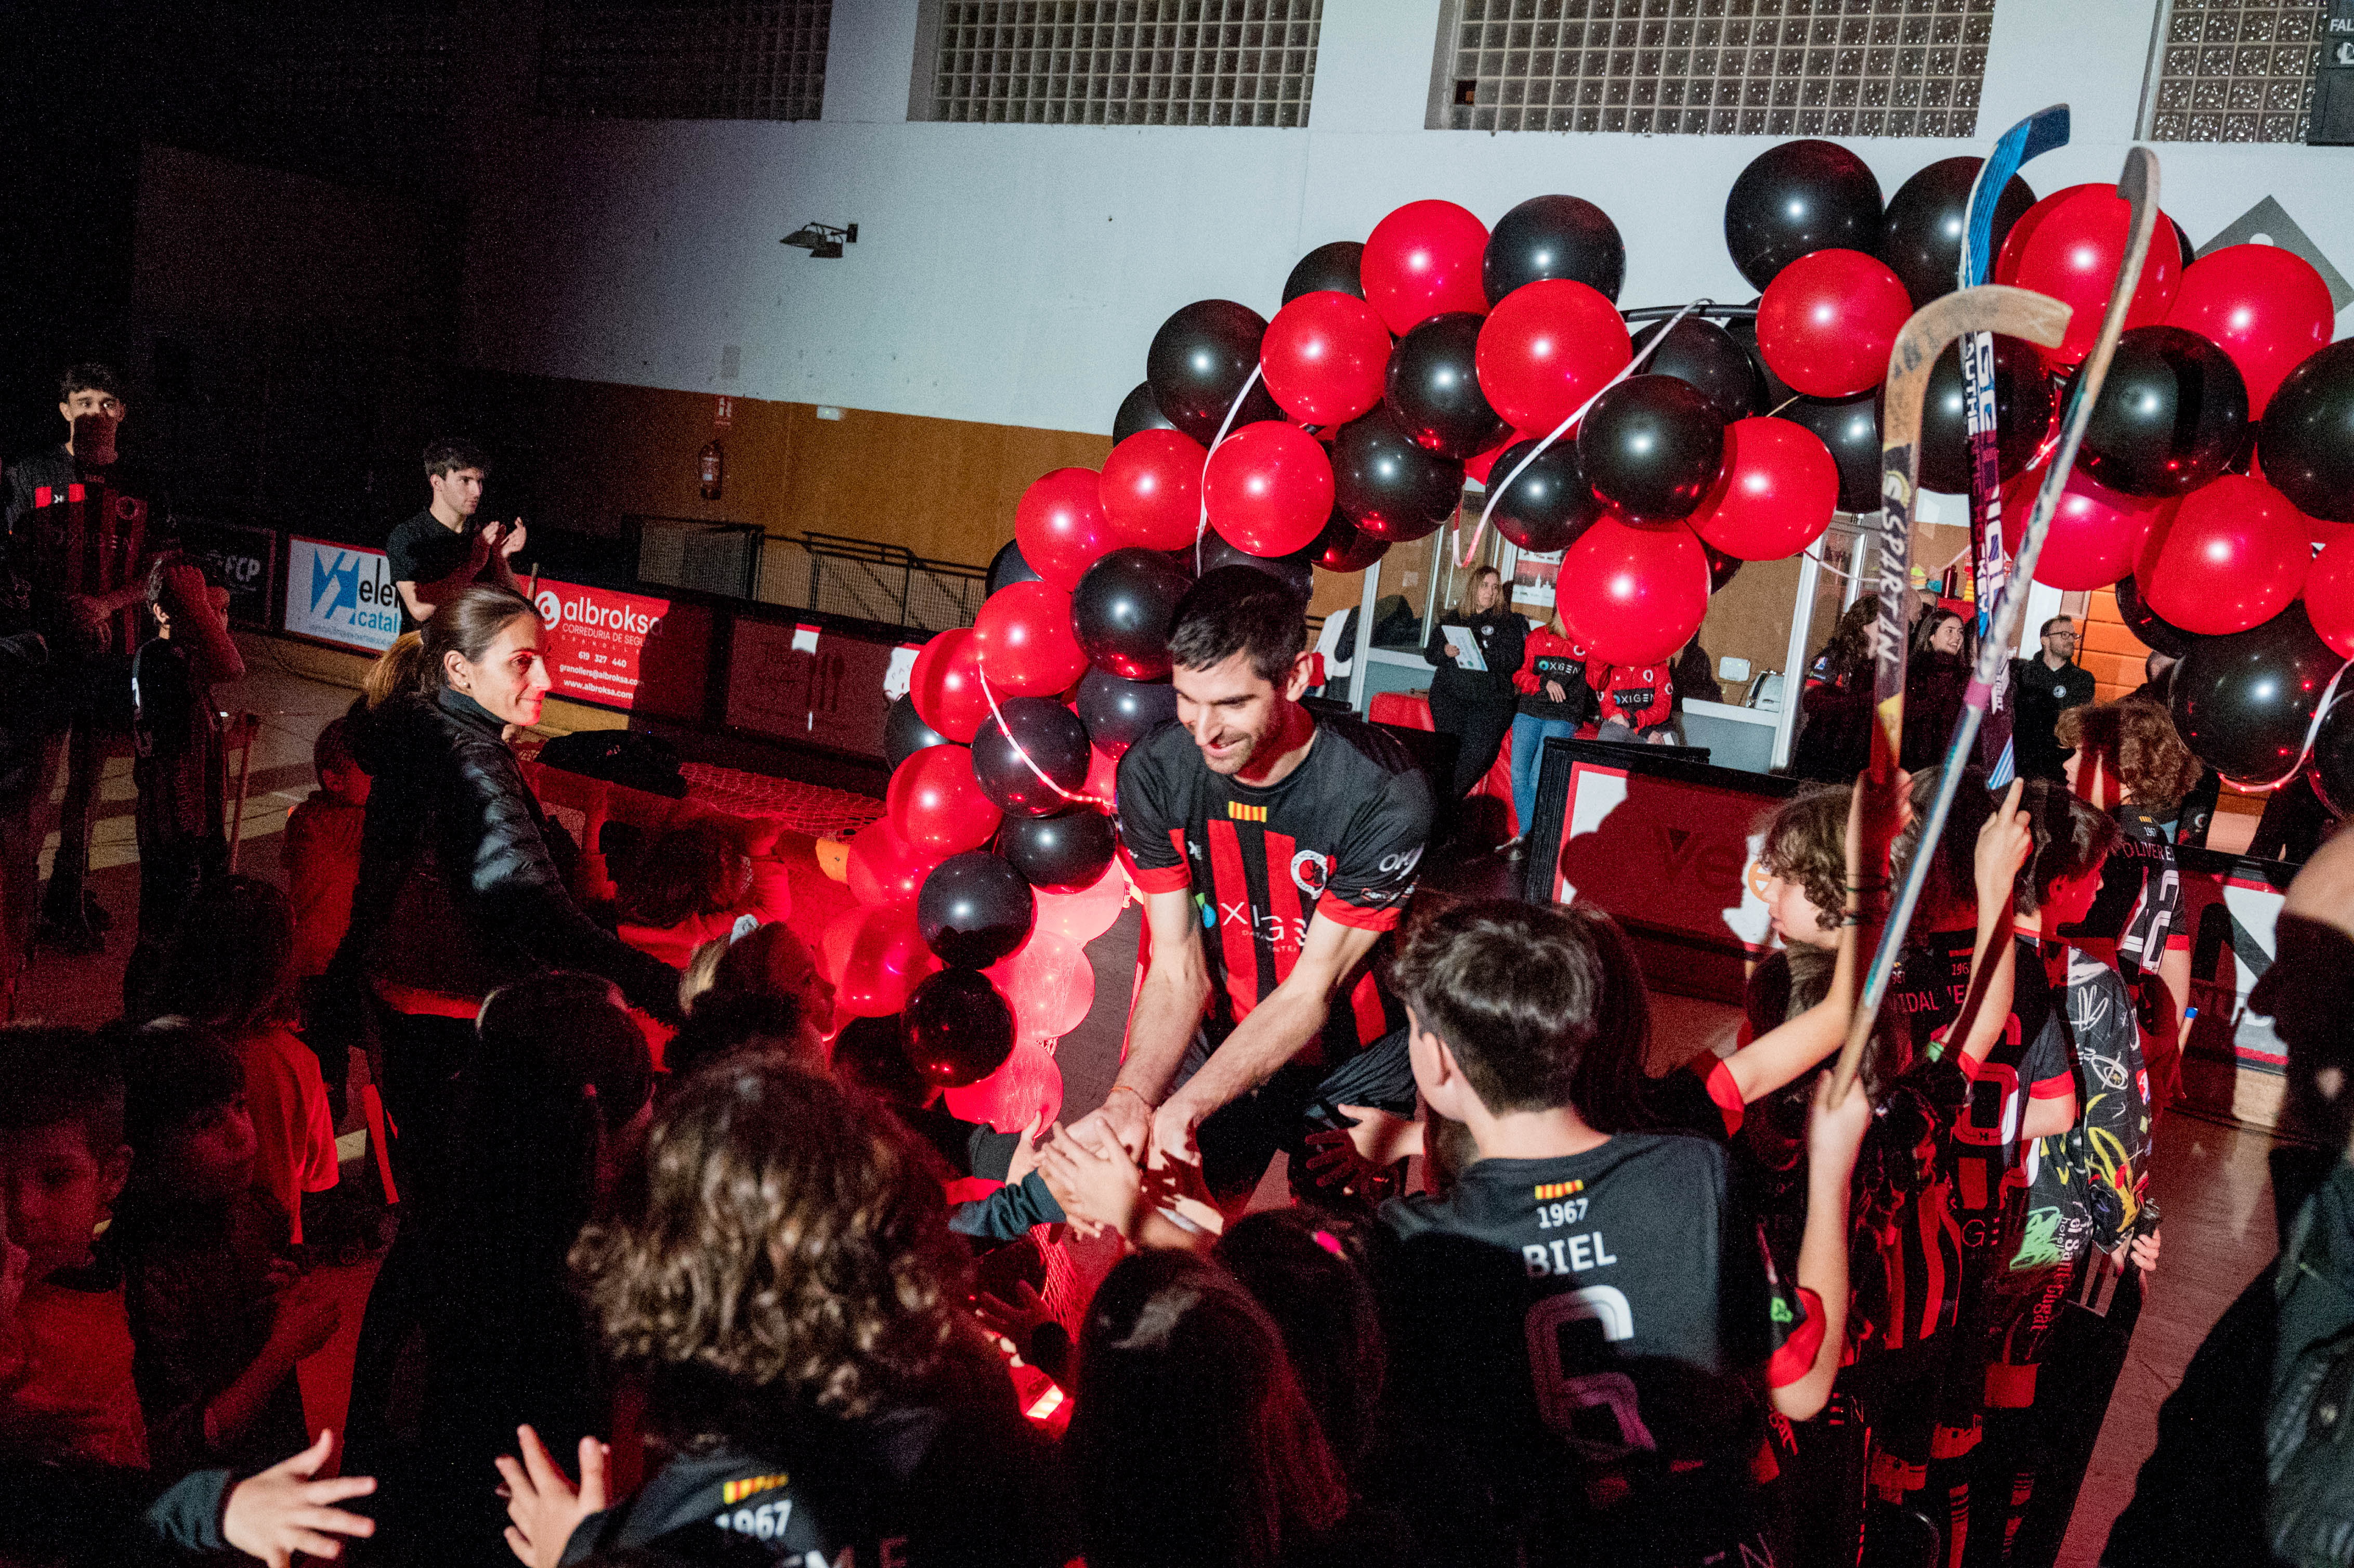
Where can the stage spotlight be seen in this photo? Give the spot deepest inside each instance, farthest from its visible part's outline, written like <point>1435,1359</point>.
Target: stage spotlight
<point>821,241</point>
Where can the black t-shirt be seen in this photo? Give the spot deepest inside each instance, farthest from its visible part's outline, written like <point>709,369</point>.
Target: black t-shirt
<point>421,551</point>
<point>176,758</point>
<point>1585,1337</point>
<point>1342,835</point>
<point>2040,696</point>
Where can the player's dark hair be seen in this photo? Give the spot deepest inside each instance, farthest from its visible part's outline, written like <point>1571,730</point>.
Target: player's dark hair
<point>90,376</point>
<point>2072,836</point>
<point>172,1072</point>
<point>2139,745</point>
<point>231,962</point>
<point>1190,1445</point>
<point>1953,875</point>
<point>697,869</point>
<point>1306,1268</point>
<point>52,1074</point>
<point>1542,1006</point>
<point>1239,609</point>
<point>1805,843</point>
<point>450,454</point>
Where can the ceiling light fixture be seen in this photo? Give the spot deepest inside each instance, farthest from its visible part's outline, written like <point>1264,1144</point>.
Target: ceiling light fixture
<point>823,240</point>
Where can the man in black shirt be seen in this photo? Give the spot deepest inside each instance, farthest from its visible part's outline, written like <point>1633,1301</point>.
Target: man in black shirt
<point>1274,849</point>
<point>2044,687</point>
<point>435,553</point>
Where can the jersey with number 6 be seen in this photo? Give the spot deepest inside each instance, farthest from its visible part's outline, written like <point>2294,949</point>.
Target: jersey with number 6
<point>1591,1334</point>
<point>1341,835</point>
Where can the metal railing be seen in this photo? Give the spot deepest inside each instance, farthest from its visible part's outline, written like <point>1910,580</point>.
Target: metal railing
<point>871,580</point>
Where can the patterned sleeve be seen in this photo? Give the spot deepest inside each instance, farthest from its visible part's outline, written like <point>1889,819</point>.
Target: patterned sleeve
<point>1374,874</point>
<point>1149,834</point>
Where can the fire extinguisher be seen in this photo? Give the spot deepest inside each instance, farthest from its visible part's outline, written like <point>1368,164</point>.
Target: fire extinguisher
<point>709,466</point>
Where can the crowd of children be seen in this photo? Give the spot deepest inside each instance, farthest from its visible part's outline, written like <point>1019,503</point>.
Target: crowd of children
<point>707,1300</point>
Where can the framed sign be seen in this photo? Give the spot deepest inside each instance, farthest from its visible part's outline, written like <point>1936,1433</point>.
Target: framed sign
<point>340,594</point>
<point>242,560</point>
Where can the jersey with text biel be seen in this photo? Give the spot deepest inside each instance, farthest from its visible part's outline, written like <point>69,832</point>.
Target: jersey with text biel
<point>1341,835</point>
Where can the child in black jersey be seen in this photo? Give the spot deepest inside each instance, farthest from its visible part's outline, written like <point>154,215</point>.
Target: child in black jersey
<point>1582,1330</point>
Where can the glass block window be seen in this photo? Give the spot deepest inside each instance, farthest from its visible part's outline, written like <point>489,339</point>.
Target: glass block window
<point>2233,70</point>
<point>1119,62</point>
<point>1714,68</point>
<point>686,59</point>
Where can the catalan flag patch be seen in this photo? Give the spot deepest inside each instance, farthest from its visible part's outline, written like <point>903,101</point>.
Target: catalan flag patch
<point>1239,812</point>
<point>1552,1189</point>
<point>737,1491</point>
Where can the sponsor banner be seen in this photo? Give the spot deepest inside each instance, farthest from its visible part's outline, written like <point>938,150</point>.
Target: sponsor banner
<point>796,683</point>
<point>595,641</point>
<point>340,594</point>
<point>239,558</point>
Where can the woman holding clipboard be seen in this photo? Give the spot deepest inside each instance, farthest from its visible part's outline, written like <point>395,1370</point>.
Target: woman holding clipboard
<point>1477,646</point>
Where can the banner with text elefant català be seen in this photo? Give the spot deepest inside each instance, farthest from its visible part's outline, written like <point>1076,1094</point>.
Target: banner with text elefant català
<point>340,594</point>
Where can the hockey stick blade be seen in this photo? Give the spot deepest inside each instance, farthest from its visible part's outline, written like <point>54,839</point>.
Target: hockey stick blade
<point>1991,307</point>
<point>2137,185</point>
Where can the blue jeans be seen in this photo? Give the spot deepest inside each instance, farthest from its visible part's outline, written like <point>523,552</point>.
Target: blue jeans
<point>1529,735</point>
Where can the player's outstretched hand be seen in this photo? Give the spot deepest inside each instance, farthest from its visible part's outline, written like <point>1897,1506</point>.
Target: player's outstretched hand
<point>283,1510</point>
<point>545,1505</point>
<point>1172,1130</point>
<point>1099,1187</point>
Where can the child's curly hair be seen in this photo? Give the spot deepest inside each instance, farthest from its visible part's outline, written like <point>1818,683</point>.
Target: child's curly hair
<point>781,1246</point>
<point>1805,843</point>
<point>2143,750</point>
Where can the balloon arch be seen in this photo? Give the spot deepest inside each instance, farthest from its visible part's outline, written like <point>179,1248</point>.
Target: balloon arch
<point>2215,488</point>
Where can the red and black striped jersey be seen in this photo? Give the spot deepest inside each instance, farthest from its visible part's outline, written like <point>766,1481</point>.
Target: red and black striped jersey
<point>74,533</point>
<point>1341,835</point>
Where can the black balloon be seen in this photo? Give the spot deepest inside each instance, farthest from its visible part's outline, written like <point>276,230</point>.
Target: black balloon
<point>1056,743</point>
<point>2183,242</point>
<point>1851,427</point>
<point>1710,358</point>
<point>2244,701</point>
<point>973,910</point>
<point>905,733</point>
<point>1120,610</point>
<point>1921,235</point>
<point>1549,504</point>
<point>959,1028</point>
<point>1743,330</point>
<point>1295,571</point>
<point>1553,236</point>
<point>1327,268</point>
<point>2308,445</point>
<point>1061,854</point>
<point>1201,358</point>
<point>2170,416</point>
<point>873,1053</point>
<point>1798,197</point>
<point>1343,546</point>
<point>1722,568</point>
<point>2024,402</point>
<point>1390,488</point>
<point>2330,769</point>
<point>1434,388</point>
<point>1138,411</point>
<point>1009,565</point>
<point>1117,712</point>
<point>1650,447</point>
<point>2145,622</point>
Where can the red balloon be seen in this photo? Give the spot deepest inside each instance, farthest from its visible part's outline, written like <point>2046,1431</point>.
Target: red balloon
<point>884,868</point>
<point>1152,488</point>
<point>1025,642</point>
<point>1775,494</point>
<point>2095,535</point>
<point>1480,466</point>
<point>1061,526</point>
<point>946,685</point>
<point>1642,591</point>
<point>874,958</point>
<point>1088,914</point>
<point>2329,597</point>
<point>2232,556</point>
<point>1103,777</point>
<point>1269,488</point>
<point>1829,320</point>
<point>936,805</point>
<point>2069,246</point>
<point>1546,348</point>
<point>1423,261</point>
<point>1028,1088</point>
<point>2264,306</point>
<point>1324,356</point>
<point>1050,983</point>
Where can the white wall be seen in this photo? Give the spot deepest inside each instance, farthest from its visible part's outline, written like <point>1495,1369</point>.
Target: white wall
<point>1014,274</point>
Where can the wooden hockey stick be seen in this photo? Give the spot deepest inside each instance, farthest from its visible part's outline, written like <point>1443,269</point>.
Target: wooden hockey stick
<point>1994,308</point>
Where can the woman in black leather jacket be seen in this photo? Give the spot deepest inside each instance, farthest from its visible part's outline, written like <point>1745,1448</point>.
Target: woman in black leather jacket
<point>458,895</point>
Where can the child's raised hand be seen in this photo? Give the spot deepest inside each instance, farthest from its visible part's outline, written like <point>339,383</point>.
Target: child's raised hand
<point>1835,1129</point>
<point>283,1510</point>
<point>545,1505</point>
<point>2005,841</point>
<point>1025,1151</point>
<point>1094,1181</point>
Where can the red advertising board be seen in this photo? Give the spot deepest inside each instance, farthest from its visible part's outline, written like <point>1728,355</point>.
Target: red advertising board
<point>596,639</point>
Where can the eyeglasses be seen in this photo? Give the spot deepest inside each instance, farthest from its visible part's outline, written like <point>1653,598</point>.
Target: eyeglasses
<point>2058,637</point>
